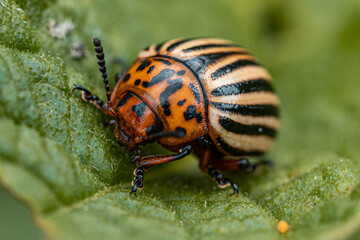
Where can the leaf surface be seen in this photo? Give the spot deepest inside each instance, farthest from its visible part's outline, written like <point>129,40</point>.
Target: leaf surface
<point>57,157</point>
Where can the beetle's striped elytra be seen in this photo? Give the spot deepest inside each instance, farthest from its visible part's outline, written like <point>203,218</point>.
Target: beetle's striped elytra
<point>202,95</point>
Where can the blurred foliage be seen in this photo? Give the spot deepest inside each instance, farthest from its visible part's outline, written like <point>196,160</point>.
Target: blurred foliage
<point>58,159</point>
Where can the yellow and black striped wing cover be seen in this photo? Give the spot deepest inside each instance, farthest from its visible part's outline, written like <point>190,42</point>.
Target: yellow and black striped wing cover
<point>242,107</point>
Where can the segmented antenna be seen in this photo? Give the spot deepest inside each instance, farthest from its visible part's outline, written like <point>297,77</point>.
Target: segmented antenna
<point>101,57</point>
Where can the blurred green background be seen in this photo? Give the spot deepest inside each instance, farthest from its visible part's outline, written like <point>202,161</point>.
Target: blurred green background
<point>310,47</point>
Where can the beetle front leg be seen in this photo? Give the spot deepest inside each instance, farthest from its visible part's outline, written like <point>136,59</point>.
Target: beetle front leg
<point>89,97</point>
<point>137,183</point>
<point>93,99</point>
<point>137,155</point>
<point>144,163</point>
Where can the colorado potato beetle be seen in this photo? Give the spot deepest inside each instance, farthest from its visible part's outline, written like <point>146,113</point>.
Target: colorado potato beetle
<point>202,95</point>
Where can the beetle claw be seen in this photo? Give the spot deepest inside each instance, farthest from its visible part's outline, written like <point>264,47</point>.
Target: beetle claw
<point>138,180</point>
<point>137,155</point>
<point>222,181</point>
<point>133,190</point>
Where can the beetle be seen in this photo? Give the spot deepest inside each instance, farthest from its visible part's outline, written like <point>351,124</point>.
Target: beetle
<point>203,95</point>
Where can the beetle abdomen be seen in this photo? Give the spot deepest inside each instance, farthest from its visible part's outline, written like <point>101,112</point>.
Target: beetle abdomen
<point>241,104</point>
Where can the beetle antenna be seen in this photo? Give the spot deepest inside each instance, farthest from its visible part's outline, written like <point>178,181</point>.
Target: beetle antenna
<point>176,134</point>
<point>101,57</point>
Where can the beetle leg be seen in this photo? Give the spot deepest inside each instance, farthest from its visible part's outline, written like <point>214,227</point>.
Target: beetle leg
<point>89,97</point>
<point>137,183</point>
<point>145,163</point>
<point>204,160</point>
<point>244,164</point>
<point>241,164</point>
<point>93,99</point>
<point>137,155</point>
<point>149,161</point>
<point>222,181</point>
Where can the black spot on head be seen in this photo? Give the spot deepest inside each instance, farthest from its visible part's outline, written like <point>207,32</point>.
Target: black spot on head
<point>175,85</point>
<point>139,109</point>
<point>127,77</point>
<point>167,111</point>
<point>150,69</point>
<point>180,103</point>
<point>181,131</point>
<point>143,65</point>
<point>191,113</point>
<point>164,74</point>
<point>181,72</point>
<point>137,82</point>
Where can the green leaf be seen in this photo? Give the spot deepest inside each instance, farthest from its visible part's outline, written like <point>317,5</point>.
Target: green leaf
<point>59,160</point>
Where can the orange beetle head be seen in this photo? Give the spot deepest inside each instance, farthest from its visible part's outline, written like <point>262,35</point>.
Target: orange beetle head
<point>127,136</point>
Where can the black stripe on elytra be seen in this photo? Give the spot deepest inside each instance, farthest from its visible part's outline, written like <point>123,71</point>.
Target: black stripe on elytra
<point>191,113</point>
<point>231,67</point>
<point>175,85</point>
<point>206,46</point>
<point>163,60</point>
<point>195,92</point>
<point>124,99</point>
<point>239,128</point>
<point>163,75</point>
<point>178,43</point>
<point>158,47</point>
<point>200,62</point>
<point>143,65</point>
<point>250,110</point>
<point>211,58</point>
<point>235,151</point>
<point>254,85</point>
<point>139,109</point>
<point>137,82</point>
